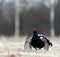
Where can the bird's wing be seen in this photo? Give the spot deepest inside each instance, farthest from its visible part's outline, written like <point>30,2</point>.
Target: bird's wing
<point>27,44</point>
<point>46,47</point>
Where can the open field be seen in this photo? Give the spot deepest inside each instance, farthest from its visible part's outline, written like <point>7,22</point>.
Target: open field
<point>14,47</point>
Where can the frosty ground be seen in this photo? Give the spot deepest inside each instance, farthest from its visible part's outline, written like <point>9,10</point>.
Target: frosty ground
<point>14,47</point>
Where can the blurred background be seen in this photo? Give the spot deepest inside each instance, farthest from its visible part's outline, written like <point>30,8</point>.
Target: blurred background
<point>17,20</point>
<point>19,17</point>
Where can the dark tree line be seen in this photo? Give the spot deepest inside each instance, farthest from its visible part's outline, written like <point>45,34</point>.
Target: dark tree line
<point>34,17</point>
<point>57,19</point>
<point>7,23</point>
<point>38,18</point>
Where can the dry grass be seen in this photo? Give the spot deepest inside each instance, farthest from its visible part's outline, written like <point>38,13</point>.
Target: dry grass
<point>9,56</point>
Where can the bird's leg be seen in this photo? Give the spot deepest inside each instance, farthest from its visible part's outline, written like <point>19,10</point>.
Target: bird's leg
<point>36,49</point>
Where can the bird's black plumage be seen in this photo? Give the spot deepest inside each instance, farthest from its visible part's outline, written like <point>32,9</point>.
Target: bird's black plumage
<point>37,42</point>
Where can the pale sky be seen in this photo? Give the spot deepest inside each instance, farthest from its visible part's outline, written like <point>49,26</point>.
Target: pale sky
<point>8,0</point>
